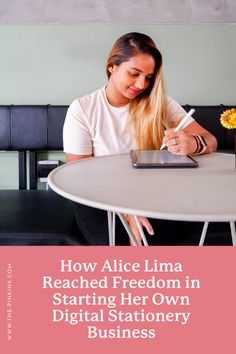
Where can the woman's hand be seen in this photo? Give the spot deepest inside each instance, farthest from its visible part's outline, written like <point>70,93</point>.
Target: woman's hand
<point>179,142</point>
<point>134,228</point>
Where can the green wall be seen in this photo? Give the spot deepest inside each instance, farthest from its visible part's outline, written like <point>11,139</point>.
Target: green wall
<point>42,64</point>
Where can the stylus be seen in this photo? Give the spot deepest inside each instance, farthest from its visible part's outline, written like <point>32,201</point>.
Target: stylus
<point>181,123</point>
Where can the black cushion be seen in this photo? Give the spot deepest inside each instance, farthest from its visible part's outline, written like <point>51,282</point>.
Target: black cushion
<point>5,127</point>
<point>24,127</point>
<point>55,117</point>
<point>28,128</point>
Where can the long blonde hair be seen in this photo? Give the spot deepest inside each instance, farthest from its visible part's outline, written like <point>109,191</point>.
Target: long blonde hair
<point>147,112</point>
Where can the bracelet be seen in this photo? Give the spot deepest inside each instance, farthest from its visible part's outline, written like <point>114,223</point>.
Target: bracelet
<point>197,142</point>
<point>202,144</point>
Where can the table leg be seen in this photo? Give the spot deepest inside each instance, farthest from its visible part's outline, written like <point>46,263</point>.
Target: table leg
<point>130,233</point>
<point>233,234</point>
<point>127,228</point>
<point>203,235</point>
<point>111,217</point>
<point>141,230</point>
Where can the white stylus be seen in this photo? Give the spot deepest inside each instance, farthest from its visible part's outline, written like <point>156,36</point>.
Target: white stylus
<point>181,123</point>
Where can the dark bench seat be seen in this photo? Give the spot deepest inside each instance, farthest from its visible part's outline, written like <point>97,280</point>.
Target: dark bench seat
<point>36,217</point>
<point>29,216</point>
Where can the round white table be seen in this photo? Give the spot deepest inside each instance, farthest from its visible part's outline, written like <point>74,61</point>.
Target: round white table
<point>206,193</point>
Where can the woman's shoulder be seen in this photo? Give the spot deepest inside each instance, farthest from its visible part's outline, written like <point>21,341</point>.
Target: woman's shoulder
<point>175,112</point>
<point>173,106</point>
<point>171,102</point>
<point>91,98</point>
<point>88,103</point>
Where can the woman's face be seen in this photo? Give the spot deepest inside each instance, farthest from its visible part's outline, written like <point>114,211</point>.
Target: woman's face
<point>132,77</point>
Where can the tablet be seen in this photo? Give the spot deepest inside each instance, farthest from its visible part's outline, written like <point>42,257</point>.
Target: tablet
<point>160,159</point>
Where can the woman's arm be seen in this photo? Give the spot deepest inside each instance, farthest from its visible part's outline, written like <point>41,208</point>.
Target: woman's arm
<point>72,157</point>
<point>183,141</point>
<point>195,128</point>
<point>77,140</point>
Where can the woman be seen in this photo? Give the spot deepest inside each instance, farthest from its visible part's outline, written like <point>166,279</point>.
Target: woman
<point>131,111</point>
